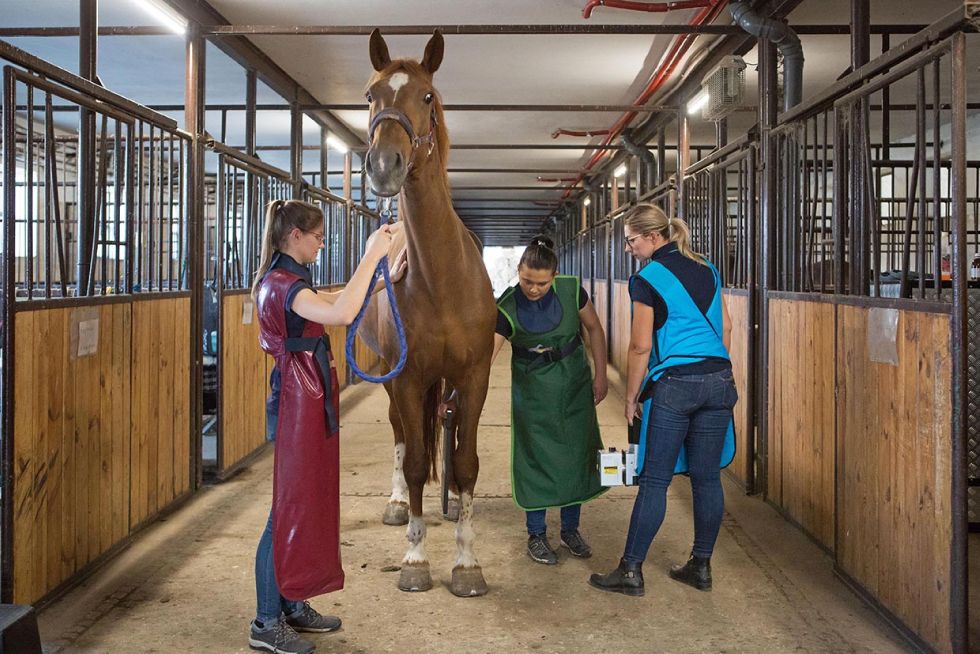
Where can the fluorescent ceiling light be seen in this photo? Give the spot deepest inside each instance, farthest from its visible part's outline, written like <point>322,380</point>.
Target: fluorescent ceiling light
<point>337,144</point>
<point>620,171</point>
<point>164,14</point>
<point>587,201</point>
<point>697,102</point>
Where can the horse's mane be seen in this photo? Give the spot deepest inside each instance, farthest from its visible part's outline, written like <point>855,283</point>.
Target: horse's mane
<point>413,68</point>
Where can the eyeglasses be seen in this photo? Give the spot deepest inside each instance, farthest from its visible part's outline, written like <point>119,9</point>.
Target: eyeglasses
<point>319,235</point>
<point>629,240</point>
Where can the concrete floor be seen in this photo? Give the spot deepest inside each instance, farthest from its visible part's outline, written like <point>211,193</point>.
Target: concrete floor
<point>187,583</point>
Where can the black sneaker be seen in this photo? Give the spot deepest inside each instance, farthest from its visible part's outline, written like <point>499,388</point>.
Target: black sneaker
<point>279,638</point>
<point>307,619</point>
<point>540,550</point>
<point>576,544</point>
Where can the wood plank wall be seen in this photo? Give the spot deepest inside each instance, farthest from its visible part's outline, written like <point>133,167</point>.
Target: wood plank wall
<point>245,370</point>
<point>801,414</point>
<point>100,441</point>
<point>738,305</point>
<point>619,333</point>
<point>600,300</point>
<point>894,431</point>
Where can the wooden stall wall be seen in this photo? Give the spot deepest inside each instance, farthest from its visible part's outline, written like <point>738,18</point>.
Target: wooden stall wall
<point>738,313</point>
<point>160,450</point>
<point>245,370</point>
<point>894,430</point>
<point>801,414</point>
<point>101,441</point>
<point>619,334</point>
<point>600,300</point>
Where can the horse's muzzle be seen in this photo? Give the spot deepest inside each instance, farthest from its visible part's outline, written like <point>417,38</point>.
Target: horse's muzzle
<point>386,169</point>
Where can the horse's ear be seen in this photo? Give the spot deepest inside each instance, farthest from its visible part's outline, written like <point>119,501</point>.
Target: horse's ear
<point>433,52</point>
<point>379,51</point>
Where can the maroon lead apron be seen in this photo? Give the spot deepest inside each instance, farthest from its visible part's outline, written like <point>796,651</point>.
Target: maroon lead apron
<point>306,481</point>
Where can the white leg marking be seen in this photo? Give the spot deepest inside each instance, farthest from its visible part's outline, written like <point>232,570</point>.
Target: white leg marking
<point>415,533</point>
<point>397,81</point>
<point>465,534</point>
<point>399,489</point>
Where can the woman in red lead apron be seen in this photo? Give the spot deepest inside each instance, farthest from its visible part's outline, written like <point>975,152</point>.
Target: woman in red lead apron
<point>298,556</point>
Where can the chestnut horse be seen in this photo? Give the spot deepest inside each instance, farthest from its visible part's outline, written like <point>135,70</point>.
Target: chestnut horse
<point>446,304</point>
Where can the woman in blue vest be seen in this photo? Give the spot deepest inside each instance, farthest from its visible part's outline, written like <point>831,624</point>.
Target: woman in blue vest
<point>554,431</point>
<point>678,367</point>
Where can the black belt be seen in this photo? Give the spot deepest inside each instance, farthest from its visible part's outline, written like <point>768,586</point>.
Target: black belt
<point>320,347</point>
<point>542,357</point>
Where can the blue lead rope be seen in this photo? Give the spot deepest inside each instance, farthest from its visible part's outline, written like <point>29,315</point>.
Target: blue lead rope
<point>380,271</point>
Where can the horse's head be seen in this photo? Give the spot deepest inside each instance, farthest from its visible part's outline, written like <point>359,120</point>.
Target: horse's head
<point>404,114</point>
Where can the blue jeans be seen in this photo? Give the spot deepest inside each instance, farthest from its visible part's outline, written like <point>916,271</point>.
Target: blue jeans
<point>693,410</point>
<point>569,520</point>
<point>271,604</point>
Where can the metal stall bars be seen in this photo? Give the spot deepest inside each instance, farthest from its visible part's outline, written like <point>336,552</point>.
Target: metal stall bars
<point>873,365</point>
<point>245,186</point>
<point>96,396</point>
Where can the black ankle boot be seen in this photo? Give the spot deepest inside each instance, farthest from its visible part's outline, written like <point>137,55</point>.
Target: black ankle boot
<point>696,572</point>
<point>626,579</point>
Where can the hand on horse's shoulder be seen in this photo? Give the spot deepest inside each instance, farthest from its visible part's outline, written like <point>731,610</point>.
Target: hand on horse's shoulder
<point>399,265</point>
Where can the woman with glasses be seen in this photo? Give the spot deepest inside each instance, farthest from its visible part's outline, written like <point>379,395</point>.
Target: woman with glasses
<point>678,367</point>
<point>554,431</point>
<point>298,555</point>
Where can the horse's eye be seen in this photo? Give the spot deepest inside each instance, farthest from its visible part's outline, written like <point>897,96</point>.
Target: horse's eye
<point>368,97</point>
<point>428,98</point>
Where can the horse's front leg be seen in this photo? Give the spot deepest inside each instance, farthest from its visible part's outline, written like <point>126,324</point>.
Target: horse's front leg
<point>408,398</point>
<point>468,578</point>
<point>396,511</point>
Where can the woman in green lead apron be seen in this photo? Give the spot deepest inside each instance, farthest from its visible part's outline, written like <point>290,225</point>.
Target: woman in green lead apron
<point>554,431</point>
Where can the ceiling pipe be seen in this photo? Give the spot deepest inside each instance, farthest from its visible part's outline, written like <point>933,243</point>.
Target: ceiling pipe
<point>785,39</point>
<point>668,64</point>
<point>650,7</point>
<point>641,153</point>
<point>561,131</point>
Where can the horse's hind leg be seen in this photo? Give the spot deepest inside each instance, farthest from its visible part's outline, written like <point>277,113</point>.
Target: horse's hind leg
<point>396,511</point>
<point>468,578</point>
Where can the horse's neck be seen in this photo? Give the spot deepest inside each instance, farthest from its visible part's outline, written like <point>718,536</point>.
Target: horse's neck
<point>431,227</point>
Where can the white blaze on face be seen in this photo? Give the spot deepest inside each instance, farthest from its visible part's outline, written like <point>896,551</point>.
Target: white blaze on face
<point>465,534</point>
<point>397,81</point>
<point>415,533</point>
<point>399,488</point>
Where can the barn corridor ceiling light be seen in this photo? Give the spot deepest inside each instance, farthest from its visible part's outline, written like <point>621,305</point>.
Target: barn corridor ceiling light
<point>587,201</point>
<point>163,13</point>
<point>620,171</point>
<point>697,102</point>
<point>337,144</point>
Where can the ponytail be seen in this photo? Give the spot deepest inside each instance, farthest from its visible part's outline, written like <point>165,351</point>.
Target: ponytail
<point>540,255</point>
<point>646,218</point>
<point>281,217</point>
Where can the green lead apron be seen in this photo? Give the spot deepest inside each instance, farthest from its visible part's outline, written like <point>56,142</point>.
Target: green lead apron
<point>554,431</point>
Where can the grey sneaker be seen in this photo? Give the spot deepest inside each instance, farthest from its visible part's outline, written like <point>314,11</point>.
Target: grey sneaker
<point>279,638</point>
<point>540,550</point>
<point>576,544</point>
<point>306,618</point>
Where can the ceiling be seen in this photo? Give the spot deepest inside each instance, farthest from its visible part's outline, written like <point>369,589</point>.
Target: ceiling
<point>490,69</point>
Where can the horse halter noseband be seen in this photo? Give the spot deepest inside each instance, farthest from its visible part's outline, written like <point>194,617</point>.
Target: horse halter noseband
<point>397,115</point>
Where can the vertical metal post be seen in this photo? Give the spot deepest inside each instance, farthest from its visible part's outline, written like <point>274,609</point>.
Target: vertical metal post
<point>860,258</point>
<point>958,566</point>
<point>88,34</point>
<point>194,99</point>
<point>9,297</point>
<point>752,347</point>
<point>296,149</point>
<point>768,102</point>
<point>886,108</point>
<point>661,157</point>
<point>683,160</point>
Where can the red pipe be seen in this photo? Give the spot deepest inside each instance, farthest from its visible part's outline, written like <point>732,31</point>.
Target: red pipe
<point>561,131</point>
<point>652,7</point>
<point>670,62</point>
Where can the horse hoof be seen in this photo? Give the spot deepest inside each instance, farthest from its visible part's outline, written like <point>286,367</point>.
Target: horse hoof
<point>452,510</point>
<point>468,582</point>
<point>396,514</point>
<point>415,578</point>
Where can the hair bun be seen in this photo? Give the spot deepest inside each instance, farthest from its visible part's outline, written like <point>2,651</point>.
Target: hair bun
<point>543,241</point>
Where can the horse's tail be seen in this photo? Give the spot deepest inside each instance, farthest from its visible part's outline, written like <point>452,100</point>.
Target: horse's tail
<point>430,428</point>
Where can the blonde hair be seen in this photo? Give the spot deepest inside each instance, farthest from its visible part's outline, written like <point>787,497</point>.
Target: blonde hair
<point>281,217</point>
<point>646,218</point>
